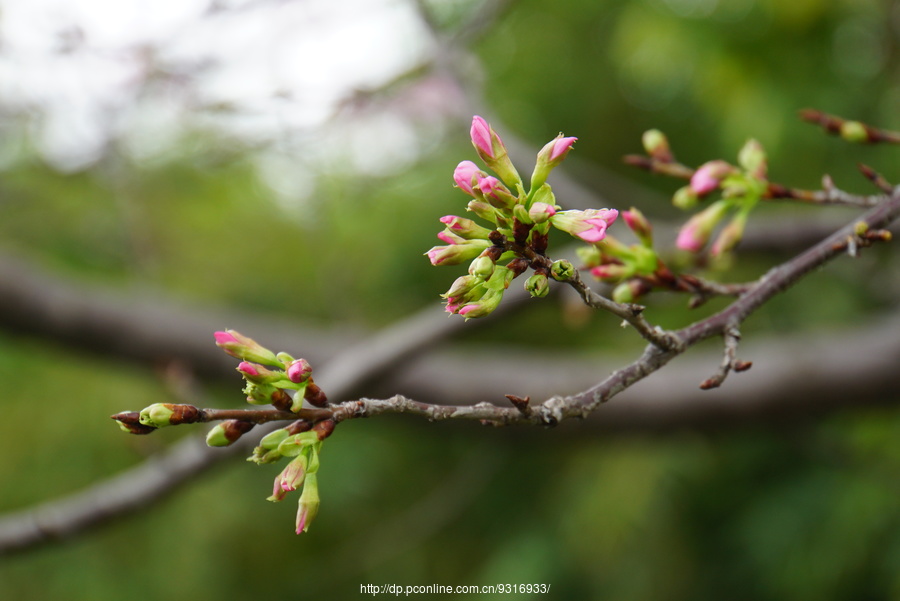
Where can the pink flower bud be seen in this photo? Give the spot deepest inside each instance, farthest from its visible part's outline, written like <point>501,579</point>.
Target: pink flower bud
<point>695,233</point>
<point>709,175</point>
<point>638,224</point>
<point>589,225</point>
<point>495,192</point>
<point>456,253</point>
<point>481,137</point>
<point>610,271</point>
<point>223,338</point>
<point>247,349</point>
<point>691,237</point>
<point>293,475</point>
<point>465,175</point>
<point>483,306</point>
<point>299,371</point>
<point>248,368</point>
<point>551,155</point>
<point>559,148</point>
<point>492,151</point>
<point>541,212</point>
<point>465,228</point>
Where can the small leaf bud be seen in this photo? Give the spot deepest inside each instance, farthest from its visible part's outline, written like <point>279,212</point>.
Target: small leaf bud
<point>537,285</point>
<point>314,395</point>
<point>160,415</point>
<point>656,145</point>
<point>562,270</point>
<point>130,421</point>
<point>324,428</point>
<point>227,432</point>
<point>854,131</point>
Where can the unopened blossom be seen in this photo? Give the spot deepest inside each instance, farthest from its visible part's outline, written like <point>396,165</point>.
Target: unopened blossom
<point>290,478</point>
<point>496,193</point>
<point>299,371</point>
<point>753,159</point>
<point>730,236</point>
<point>695,233</point>
<point>456,253</point>
<point>483,306</point>
<point>550,156</point>
<point>708,176</point>
<point>466,175</point>
<point>492,151</point>
<point>484,138</point>
<point>639,224</point>
<point>242,347</point>
<point>589,225</point>
<point>464,228</point>
<point>541,212</point>
<point>308,506</point>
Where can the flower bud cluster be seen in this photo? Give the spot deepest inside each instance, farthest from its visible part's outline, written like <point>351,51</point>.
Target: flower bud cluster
<point>520,225</point>
<point>284,382</point>
<point>740,188</point>
<point>285,387</point>
<point>614,262</point>
<point>301,443</point>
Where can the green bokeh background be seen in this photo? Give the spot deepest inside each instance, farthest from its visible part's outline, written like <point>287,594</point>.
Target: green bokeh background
<point>800,511</point>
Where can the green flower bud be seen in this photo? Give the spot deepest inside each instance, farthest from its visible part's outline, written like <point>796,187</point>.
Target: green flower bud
<point>752,158</point>
<point>623,293</point>
<point>483,306</point>
<point>521,213</point>
<point>309,503</point>
<point>543,194</point>
<point>645,260</point>
<point>267,451</point>
<point>500,279</point>
<point>590,255</point>
<point>481,267</point>
<point>483,210</point>
<point>293,445</point>
<point>685,198</point>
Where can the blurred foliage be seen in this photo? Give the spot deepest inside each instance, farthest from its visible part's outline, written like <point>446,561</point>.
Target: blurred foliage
<point>802,512</point>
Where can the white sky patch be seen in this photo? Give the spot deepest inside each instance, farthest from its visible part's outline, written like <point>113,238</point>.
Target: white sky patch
<point>78,70</point>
